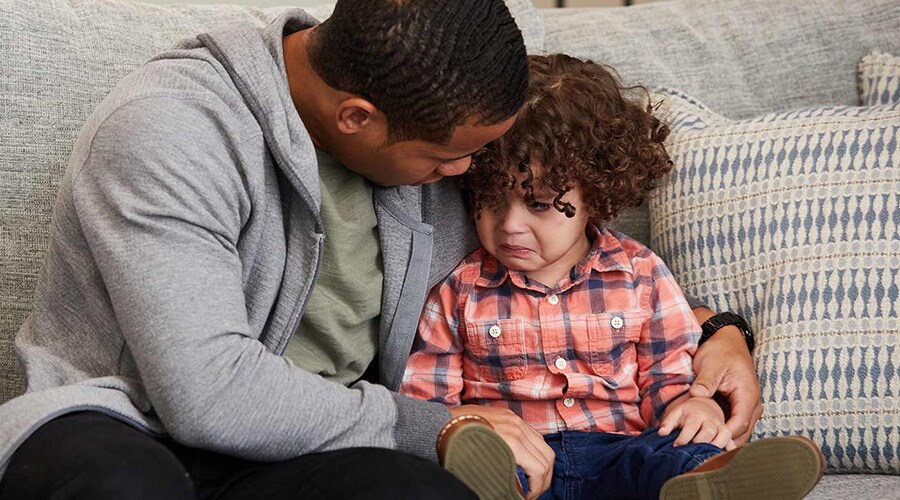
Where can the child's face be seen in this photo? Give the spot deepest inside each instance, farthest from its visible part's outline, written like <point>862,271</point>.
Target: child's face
<point>536,238</point>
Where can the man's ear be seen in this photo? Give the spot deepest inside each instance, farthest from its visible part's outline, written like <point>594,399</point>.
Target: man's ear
<point>355,114</point>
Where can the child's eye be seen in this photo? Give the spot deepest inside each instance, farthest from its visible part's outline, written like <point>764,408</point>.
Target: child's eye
<point>538,206</point>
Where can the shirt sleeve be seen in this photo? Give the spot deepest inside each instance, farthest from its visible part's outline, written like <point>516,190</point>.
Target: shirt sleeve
<point>667,344</point>
<point>694,302</point>
<point>434,368</point>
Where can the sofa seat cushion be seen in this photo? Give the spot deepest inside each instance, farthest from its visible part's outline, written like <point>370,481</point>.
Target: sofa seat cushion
<point>856,487</point>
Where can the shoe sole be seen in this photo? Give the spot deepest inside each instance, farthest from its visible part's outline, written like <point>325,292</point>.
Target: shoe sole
<point>480,458</point>
<point>779,468</point>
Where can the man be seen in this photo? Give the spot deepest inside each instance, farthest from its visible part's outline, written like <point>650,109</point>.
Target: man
<point>232,265</point>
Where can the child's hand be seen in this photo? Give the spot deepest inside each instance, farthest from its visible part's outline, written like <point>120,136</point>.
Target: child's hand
<point>701,421</point>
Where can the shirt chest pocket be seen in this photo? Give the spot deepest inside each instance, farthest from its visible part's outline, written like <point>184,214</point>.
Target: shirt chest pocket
<point>612,344</point>
<point>496,350</point>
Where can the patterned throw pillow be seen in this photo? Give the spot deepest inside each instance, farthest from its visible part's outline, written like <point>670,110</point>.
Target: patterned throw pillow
<point>792,220</point>
<point>879,79</point>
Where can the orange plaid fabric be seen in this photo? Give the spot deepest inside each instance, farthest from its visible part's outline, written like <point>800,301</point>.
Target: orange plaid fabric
<point>606,350</point>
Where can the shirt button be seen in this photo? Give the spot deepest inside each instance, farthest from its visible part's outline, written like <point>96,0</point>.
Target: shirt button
<point>561,363</point>
<point>494,331</point>
<point>617,322</point>
<point>569,402</point>
<point>553,299</point>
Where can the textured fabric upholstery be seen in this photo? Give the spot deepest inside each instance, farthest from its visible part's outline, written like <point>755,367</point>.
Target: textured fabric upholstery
<point>879,79</point>
<point>792,219</point>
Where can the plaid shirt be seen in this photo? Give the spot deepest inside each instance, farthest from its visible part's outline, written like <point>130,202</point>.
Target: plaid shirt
<point>606,350</point>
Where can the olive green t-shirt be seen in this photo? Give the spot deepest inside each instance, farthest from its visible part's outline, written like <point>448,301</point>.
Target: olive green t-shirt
<point>338,334</point>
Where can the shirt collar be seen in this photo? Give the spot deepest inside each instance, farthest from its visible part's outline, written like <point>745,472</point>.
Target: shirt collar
<point>606,255</point>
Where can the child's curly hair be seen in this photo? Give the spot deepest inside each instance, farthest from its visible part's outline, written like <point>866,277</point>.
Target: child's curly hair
<point>582,127</point>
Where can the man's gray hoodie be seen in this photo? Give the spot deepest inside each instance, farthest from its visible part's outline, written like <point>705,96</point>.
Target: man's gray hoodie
<point>185,242</point>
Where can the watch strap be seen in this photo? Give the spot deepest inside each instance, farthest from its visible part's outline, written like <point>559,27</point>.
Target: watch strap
<point>723,319</point>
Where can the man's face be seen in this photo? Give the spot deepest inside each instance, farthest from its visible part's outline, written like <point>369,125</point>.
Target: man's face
<point>419,162</point>
<point>535,237</point>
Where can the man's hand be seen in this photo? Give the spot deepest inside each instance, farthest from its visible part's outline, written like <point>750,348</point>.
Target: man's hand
<point>532,454</point>
<point>701,420</point>
<point>724,365</point>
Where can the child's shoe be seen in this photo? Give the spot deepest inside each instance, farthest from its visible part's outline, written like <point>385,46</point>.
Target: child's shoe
<point>469,449</point>
<point>772,469</point>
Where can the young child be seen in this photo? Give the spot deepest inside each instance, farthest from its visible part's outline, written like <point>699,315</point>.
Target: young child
<point>580,330</point>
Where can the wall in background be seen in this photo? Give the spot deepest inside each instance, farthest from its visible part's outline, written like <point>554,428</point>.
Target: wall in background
<point>256,3</point>
<point>588,3</point>
<point>306,3</point>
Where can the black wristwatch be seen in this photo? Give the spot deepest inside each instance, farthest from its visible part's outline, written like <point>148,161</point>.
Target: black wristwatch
<point>714,323</point>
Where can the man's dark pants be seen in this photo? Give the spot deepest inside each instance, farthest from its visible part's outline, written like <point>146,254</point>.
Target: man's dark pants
<point>93,456</point>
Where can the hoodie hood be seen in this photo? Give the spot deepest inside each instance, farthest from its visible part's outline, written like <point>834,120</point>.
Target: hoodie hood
<point>254,59</point>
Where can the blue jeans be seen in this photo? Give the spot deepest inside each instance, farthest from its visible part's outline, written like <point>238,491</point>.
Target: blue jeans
<point>603,465</point>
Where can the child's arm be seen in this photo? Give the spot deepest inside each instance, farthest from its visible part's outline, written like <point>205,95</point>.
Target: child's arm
<point>700,419</point>
<point>667,344</point>
<point>434,368</point>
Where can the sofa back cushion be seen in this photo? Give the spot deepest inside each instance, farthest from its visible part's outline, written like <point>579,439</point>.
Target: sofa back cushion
<point>741,57</point>
<point>58,60</point>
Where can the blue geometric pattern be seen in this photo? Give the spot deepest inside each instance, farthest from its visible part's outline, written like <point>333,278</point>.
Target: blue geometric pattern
<point>879,78</point>
<point>792,220</point>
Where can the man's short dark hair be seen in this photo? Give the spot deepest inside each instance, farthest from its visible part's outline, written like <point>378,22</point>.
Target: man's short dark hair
<point>428,65</point>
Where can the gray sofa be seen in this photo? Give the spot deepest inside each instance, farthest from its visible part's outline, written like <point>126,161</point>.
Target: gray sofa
<point>58,58</point>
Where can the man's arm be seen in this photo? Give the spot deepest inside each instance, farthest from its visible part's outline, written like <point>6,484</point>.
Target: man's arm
<point>162,209</point>
<point>724,365</point>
